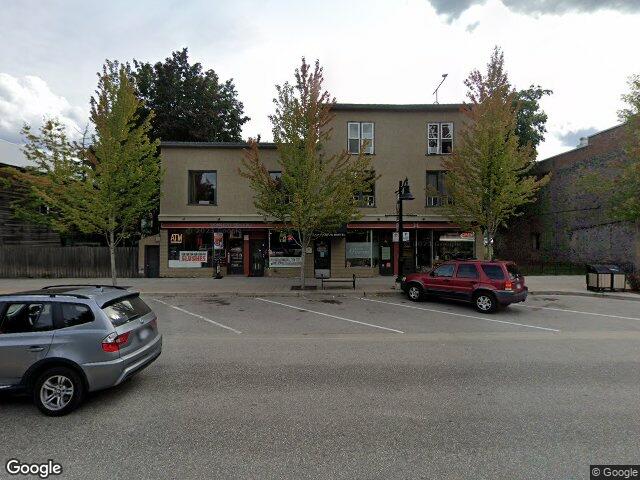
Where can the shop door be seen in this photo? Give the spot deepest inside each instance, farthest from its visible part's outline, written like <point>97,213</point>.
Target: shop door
<point>257,249</point>
<point>386,258</point>
<point>236,265</point>
<point>322,258</point>
<point>152,261</point>
<point>407,255</point>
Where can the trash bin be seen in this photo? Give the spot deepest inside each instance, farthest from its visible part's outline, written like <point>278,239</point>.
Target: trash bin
<point>603,277</point>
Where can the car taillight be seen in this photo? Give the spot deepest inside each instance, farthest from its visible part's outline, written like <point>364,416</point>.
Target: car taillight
<point>508,285</point>
<point>112,342</point>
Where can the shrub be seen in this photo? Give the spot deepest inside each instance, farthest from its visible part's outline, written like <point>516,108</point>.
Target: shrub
<point>634,281</point>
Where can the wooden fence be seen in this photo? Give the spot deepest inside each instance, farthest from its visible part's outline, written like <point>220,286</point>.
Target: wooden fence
<point>66,262</point>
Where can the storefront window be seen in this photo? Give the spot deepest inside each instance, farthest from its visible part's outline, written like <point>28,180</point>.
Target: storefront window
<point>450,245</point>
<point>359,249</point>
<point>190,248</point>
<point>283,250</point>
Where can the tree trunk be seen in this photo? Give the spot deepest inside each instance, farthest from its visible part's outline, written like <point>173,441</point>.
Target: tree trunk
<point>489,251</point>
<point>112,254</point>
<point>303,257</point>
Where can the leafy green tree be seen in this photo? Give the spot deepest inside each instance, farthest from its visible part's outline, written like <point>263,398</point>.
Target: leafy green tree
<point>189,103</point>
<point>531,120</point>
<point>316,194</point>
<point>487,174</point>
<point>106,187</point>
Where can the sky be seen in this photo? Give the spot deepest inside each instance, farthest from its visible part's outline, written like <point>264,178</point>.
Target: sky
<point>372,51</point>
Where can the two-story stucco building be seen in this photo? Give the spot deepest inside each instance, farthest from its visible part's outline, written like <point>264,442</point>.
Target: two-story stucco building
<point>207,213</point>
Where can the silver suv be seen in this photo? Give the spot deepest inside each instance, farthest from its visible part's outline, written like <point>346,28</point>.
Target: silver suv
<point>63,341</point>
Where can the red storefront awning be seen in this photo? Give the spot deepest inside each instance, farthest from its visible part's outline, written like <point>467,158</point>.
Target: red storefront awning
<point>352,226</point>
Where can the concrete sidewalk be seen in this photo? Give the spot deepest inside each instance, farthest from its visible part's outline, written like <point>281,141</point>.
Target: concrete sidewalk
<point>256,286</point>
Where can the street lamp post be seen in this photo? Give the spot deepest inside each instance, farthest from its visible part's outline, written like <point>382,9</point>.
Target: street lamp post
<point>404,193</point>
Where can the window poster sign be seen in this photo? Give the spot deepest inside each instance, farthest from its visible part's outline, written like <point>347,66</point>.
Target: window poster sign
<point>199,256</point>
<point>358,250</point>
<point>218,241</point>
<point>189,259</point>
<point>176,238</point>
<point>285,262</point>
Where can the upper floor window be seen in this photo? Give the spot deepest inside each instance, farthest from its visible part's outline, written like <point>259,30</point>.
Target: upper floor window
<point>439,138</point>
<point>367,198</point>
<point>203,187</point>
<point>436,190</point>
<point>360,137</point>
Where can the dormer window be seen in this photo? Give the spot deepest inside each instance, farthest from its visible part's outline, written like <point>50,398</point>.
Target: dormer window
<point>360,137</point>
<point>439,138</point>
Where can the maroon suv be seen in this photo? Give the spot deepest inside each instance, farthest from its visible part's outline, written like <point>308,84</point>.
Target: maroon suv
<point>488,284</point>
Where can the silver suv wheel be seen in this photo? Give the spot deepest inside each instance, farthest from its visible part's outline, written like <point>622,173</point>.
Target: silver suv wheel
<point>56,392</point>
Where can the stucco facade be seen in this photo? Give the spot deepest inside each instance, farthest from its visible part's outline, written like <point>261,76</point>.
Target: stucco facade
<point>365,247</point>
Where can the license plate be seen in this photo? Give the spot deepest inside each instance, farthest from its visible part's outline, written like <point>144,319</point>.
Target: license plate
<point>144,334</point>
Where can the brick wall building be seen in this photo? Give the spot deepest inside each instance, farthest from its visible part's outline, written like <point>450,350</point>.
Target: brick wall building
<point>567,224</point>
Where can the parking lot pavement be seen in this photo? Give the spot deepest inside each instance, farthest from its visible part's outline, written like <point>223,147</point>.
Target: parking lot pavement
<point>343,387</point>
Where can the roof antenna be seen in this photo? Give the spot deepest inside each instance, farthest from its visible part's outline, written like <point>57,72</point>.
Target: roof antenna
<point>435,92</point>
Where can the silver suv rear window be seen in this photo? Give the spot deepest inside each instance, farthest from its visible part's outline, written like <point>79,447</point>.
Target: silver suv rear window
<point>125,310</point>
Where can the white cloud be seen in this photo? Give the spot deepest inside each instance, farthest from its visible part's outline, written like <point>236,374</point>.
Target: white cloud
<point>29,99</point>
<point>452,9</point>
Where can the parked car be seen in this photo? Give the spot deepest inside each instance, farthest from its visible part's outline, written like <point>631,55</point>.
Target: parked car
<point>60,342</point>
<point>489,285</point>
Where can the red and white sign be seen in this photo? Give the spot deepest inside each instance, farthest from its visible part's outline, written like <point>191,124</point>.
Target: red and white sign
<point>197,256</point>
<point>218,241</point>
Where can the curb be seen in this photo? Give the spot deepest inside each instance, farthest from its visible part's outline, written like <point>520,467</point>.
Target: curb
<point>307,293</point>
<point>611,296</point>
<point>365,293</point>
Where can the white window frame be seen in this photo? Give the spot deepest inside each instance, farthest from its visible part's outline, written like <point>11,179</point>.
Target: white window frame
<point>349,137</point>
<point>373,136</point>
<point>437,150</point>
<point>360,138</point>
<point>450,124</point>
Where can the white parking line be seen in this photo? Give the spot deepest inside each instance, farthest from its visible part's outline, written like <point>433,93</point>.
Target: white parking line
<point>198,316</point>
<point>461,315</point>
<point>578,311</point>
<point>328,315</point>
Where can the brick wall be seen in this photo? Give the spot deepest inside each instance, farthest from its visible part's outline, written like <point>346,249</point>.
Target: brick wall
<point>574,226</point>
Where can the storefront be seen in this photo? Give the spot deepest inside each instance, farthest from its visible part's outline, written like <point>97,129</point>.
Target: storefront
<point>197,250</point>
<point>257,249</point>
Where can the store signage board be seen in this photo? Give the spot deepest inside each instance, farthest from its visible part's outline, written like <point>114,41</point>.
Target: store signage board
<point>458,237</point>
<point>285,262</point>
<point>190,259</point>
<point>176,238</point>
<point>196,256</point>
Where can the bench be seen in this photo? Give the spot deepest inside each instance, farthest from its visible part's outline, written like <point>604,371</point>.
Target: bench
<point>338,280</point>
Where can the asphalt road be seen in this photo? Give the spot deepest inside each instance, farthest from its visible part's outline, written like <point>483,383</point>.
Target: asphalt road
<point>343,387</point>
